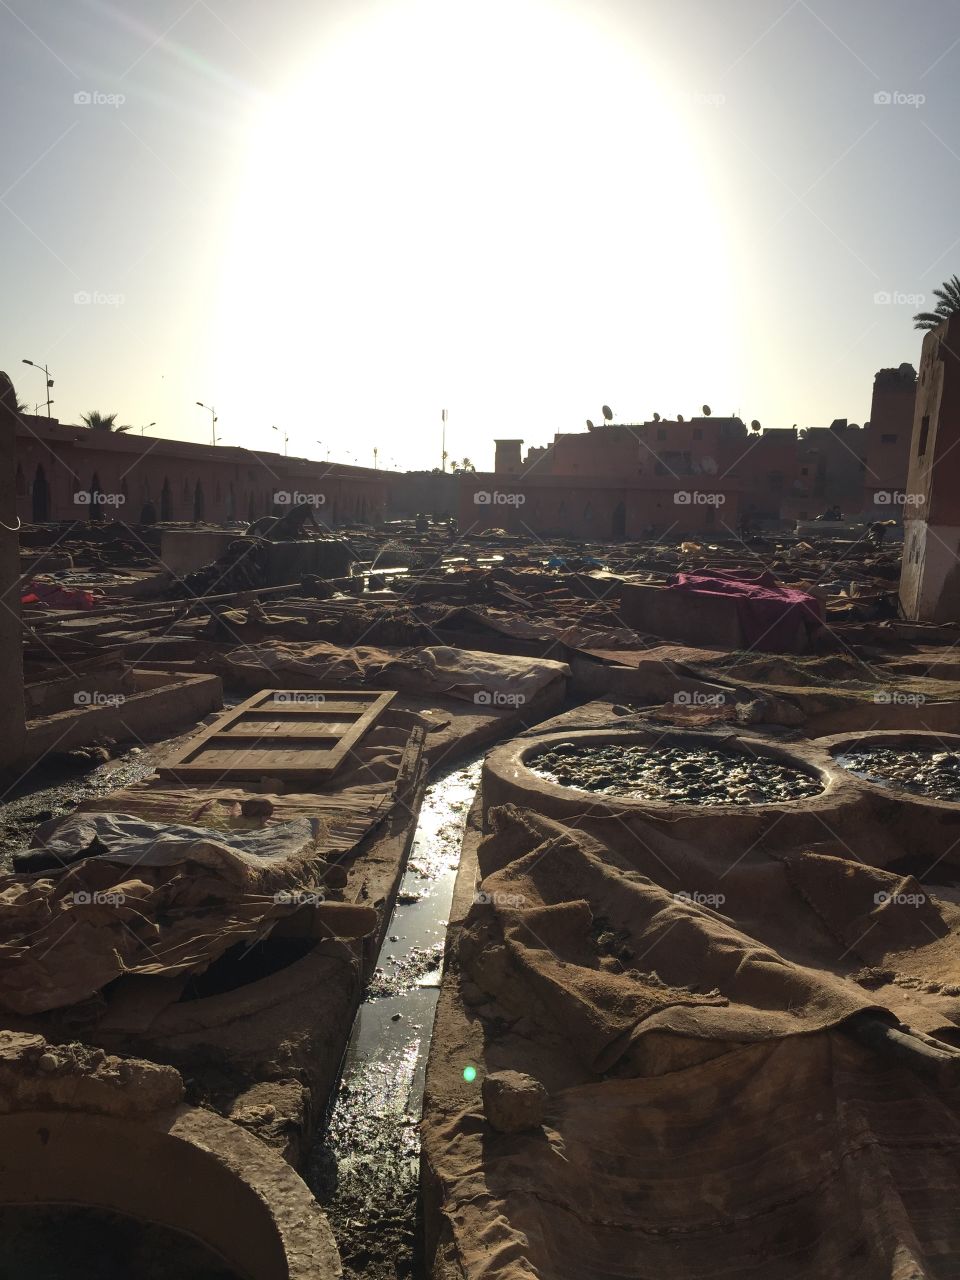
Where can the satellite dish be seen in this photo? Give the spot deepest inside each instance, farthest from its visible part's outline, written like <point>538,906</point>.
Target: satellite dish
<point>754,425</point>
<point>607,412</point>
<point>706,411</point>
<point>656,417</point>
<point>589,425</point>
<point>679,417</point>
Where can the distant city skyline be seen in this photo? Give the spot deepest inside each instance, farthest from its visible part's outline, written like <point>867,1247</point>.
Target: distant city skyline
<point>340,219</point>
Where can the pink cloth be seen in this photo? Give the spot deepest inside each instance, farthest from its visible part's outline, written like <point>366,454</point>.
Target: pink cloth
<point>771,616</point>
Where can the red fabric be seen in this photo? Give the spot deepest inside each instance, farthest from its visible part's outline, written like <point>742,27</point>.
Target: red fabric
<point>52,596</point>
<point>770,615</point>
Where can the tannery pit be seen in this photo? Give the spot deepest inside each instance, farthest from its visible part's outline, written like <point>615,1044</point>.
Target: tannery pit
<point>682,775</point>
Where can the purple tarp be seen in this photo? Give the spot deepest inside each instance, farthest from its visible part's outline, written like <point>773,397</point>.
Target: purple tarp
<point>770,615</point>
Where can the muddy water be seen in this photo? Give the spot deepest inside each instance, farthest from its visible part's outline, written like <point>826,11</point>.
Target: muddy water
<point>926,771</point>
<point>365,1171</point>
<point>683,775</point>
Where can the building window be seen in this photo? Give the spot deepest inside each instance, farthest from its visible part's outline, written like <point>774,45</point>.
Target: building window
<point>888,439</point>
<point>924,432</point>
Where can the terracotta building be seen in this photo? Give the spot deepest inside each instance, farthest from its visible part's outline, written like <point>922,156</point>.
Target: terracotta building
<point>69,473</point>
<point>888,438</point>
<point>607,483</point>
<point>616,480</point>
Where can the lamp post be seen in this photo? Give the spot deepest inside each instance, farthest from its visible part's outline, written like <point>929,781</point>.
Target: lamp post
<point>46,373</point>
<point>149,424</point>
<point>324,446</point>
<point>213,420</point>
<point>285,438</point>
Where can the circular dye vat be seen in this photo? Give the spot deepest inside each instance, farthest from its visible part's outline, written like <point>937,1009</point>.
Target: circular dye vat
<point>925,771</point>
<point>675,774</point>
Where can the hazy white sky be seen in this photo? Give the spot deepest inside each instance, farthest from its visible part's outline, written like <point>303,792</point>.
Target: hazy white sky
<point>342,217</point>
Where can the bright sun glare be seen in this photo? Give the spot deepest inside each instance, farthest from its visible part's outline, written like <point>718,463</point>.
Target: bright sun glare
<point>461,206</point>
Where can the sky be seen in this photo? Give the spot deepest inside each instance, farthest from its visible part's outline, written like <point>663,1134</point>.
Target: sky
<point>333,220</point>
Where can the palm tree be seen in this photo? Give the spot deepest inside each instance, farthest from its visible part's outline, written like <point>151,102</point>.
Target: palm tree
<point>948,305</point>
<point>97,421</point>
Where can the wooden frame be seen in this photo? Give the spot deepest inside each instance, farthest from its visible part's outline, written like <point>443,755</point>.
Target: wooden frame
<point>296,735</point>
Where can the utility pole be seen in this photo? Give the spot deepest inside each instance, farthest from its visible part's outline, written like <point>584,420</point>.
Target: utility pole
<point>443,441</point>
<point>46,374</point>
<point>213,420</point>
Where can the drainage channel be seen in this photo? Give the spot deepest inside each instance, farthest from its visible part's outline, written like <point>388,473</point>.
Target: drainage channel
<point>365,1170</point>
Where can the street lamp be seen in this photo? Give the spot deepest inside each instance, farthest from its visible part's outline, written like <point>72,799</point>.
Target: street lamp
<point>285,439</point>
<point>149,424</point>
<point>46,374</point>
<point>324,446</point>
<point>213,420</point>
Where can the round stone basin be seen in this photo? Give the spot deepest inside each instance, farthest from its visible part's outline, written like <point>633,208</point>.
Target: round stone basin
<point>925,768</point>
<point>687,773</point>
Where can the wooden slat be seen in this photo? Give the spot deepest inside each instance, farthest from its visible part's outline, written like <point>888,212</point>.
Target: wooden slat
<point>274,733</point>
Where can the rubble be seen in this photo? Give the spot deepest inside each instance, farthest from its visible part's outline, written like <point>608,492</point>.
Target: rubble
<point>512,1101</point>
<point>247,984</point>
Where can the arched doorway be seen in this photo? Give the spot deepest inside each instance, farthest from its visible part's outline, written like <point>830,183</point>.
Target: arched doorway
<point>198,504</point>
<point>148,513</point>
<point>231,502</point>
<point>618,525</point>
<point>166,501</point>
<point>40,496</point>
<point>96,508</point>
